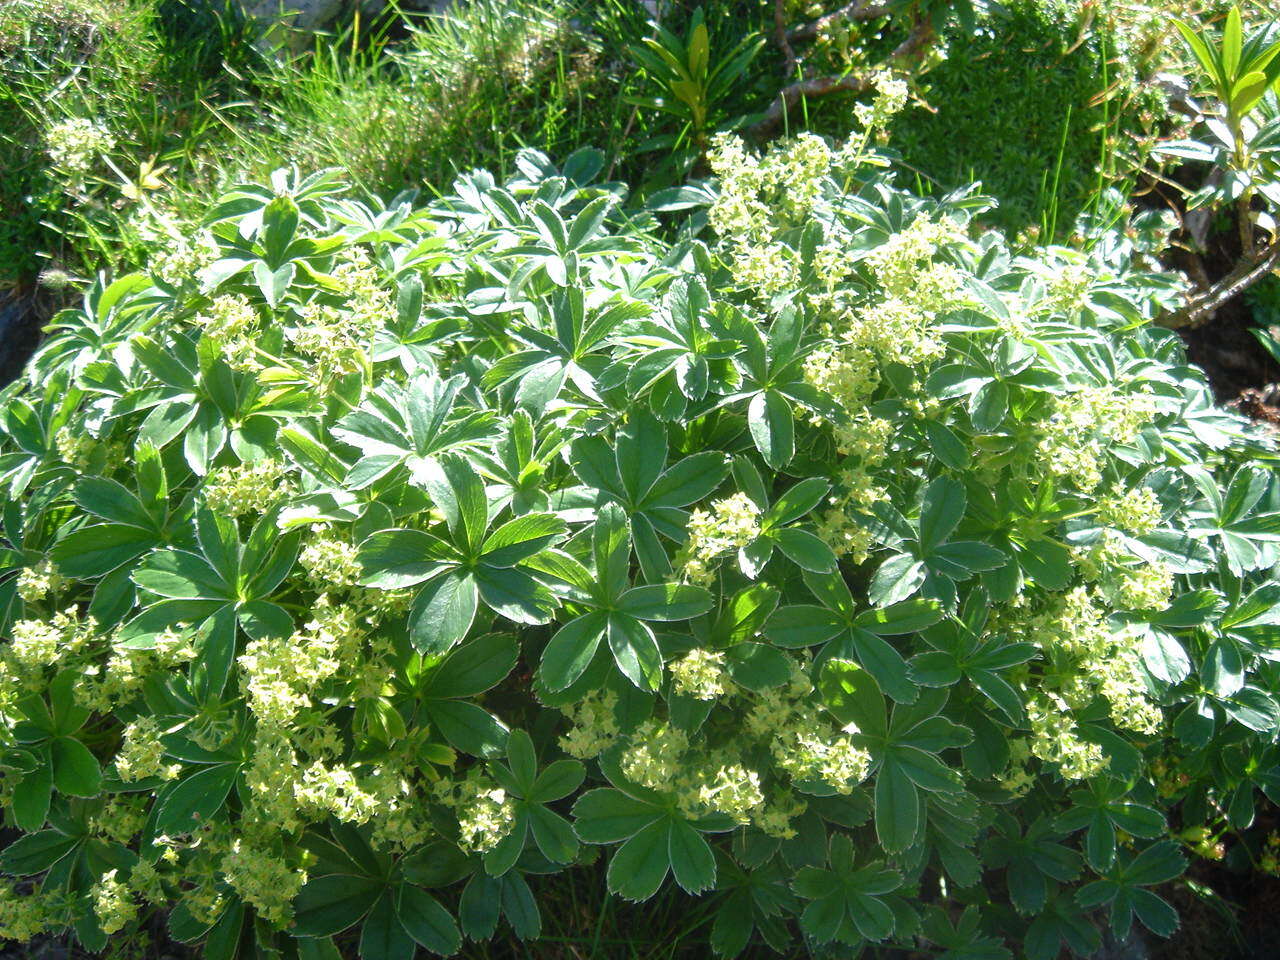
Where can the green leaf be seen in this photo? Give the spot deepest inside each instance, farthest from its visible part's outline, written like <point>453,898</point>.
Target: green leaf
<point>897,808</point>
<point>911,616</point>
<point>383,937</point>
<point>329,905</point>
<point>757,666</point>
<point>946,446</point>
<point>872,917</point>
<point>468,727</point>
<point>570,651</point>
<point>273,284</point>
<point>196,799</point>
<point>97,550</point>
<point>35,852</point>
<point>459,492</point>
<point>1199,49</point>
<point>640,454</point>
<point>692,862</point>
<point>797,501</point>
<point>665,601</point>
<point>427,921</point>
<point>522,537</point>
<point>557,781</point>
<point>1158,863</point>
<point>519,908</point>
<point>940,511</point>
<point>392,559</point>
<point>641,864</point>
<point>805,550</point>
<point>772,427</point>
<point>111,501</point>
<point>606,815</point>
<point>803,625</point>
<point>181,575</point>
<point>480,906</point>
<point>1154,913</point>
<point>1231,45</point>
<point>1255,709</point>
<point>31,797</point>
<point>635,651</point>
<point>885,664</point>
<point>692,479</point>
<point>553,835</point>
<point>853,696</point>
<point>897,579</point>
<point>474,667</point>
<point>442,612</point>
<point>75,770</point>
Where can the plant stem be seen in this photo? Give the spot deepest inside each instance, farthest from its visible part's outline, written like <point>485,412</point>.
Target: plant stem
<point>1201,306</point>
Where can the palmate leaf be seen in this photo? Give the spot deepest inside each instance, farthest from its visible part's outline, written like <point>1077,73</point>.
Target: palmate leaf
<point>619,614</point>
<point>474,566</point>
<point>634,475</point>
<point>409,425</point>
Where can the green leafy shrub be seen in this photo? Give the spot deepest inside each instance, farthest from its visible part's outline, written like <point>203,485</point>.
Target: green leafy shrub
<point>365,563</point>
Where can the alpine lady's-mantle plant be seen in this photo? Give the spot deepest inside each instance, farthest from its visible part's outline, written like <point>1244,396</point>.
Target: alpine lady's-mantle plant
<point>840,566</point>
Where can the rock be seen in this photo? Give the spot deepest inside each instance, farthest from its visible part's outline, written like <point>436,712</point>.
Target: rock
<point>1132,947</point>
<point>297,14</point>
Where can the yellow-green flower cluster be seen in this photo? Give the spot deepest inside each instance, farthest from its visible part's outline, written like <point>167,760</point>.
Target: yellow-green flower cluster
<point>40,643</point>
<point>74,447</point>
<point>731,523</point>
<point>141,753</point>
<point>330,563</point>
<point>1082,423</point>
<point>178,255</point>
<point>231,321</point>
<point>267,882</point>
<point>654,758</point>
<point>120,818</point>
<point>1135,510</point>
<point>1091,659</point>
<point>901,262</point>
<point>23,916</point>
<point>703,782</point>
<point>35,583</point>
<point>75,144</point>
<point>485,813</point>
<point>126,669</point>
<point>594,727</point>
<point>279,674</point>
<point>335,790</point>
<point>802,741</point>
<point>113,903</point>
<point>326,338</point>
<point>699,674</point>
<point>785,725</point>
<point>890,98</point>
<point>335,338</point>
<point>760,199</point>
<point>1054,738</point>
<point>1018,777</point>
<point>726,787</point>
<point>246,488</point>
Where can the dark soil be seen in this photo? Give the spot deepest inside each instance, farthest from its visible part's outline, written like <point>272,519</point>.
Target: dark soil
<point>1240,921</point>
<point>24,311</point>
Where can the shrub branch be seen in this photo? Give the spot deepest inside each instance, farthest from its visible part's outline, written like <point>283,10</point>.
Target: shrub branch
<point>1202,305</point>
<point>858,10</point>
<point>920,37</point>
